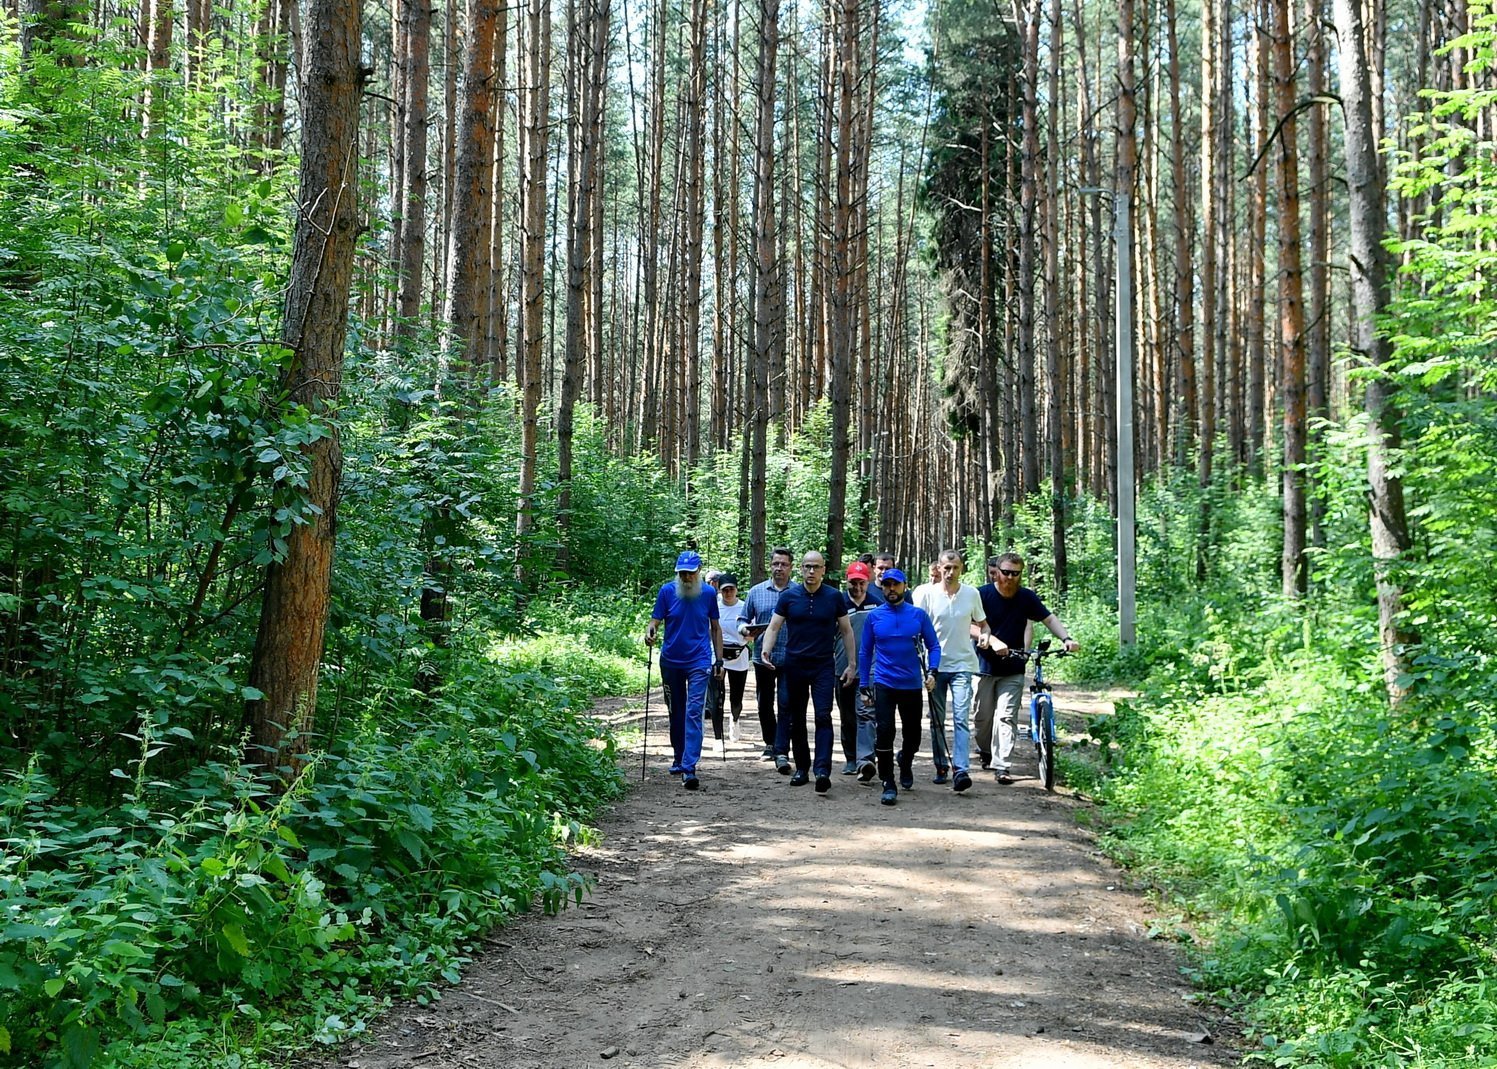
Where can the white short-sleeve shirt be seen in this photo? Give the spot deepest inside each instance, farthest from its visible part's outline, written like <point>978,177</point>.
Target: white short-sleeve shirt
<point>953,616</point>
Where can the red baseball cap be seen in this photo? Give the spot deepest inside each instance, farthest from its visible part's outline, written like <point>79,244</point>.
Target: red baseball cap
<point>859,570</point>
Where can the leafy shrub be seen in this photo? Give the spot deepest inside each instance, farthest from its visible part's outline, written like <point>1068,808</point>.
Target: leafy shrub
<point>285,918</point>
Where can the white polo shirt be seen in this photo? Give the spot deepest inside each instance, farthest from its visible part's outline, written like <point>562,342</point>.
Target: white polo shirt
<point>953,616</point>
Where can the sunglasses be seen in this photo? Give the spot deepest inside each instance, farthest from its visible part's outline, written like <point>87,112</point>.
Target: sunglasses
<point>1010,572</point>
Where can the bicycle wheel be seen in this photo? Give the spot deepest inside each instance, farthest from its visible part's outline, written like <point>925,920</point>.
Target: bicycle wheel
<point>1044,740</point>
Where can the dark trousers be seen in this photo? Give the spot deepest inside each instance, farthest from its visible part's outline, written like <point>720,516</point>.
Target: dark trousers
<point>847,713</point>
<point>730,686</point>
<point>767,682</point>
<point>908,703</point>
<point>802,686</point>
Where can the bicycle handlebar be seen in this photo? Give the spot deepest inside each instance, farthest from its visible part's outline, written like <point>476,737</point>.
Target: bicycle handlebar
<point>1040,652</point>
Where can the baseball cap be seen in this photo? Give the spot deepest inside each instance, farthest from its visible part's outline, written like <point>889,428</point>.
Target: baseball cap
<point>689,561</point>
<point>727,579</point>
<point>859,570</point>
<point>893,575</point>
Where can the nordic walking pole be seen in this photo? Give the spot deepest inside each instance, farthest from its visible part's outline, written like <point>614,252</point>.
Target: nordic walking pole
<point>644,742</point>
<point>937,727</point>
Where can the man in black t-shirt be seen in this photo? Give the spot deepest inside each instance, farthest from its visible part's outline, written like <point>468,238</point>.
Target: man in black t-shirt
<point>813,613</point>
<point>1011,609</point>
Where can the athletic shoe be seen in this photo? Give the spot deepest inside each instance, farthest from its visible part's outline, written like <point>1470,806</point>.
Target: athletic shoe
<point>890,795</point>
<point>987,760</point>
<point>675,770</point>
<point>940,776</point>
<point>823,784</point>
<point>799,779</point>
<point>866,772</point>
<point>689,781</point>
<point>782,764</point>
<point>906,777</point>
<point>767,754</point>
<point>1003,776</point>
<point>733,731</point>
<point>850,769</point>
<point>722,749</point>
<point>961,783</point>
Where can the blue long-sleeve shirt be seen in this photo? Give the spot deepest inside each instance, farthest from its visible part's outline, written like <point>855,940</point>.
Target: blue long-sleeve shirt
<point>889,653</point>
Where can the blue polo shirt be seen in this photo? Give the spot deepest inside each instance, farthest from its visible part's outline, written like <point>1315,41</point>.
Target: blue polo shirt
<point>811,619</point>
<point>688,627</point>
<point>889,654</point>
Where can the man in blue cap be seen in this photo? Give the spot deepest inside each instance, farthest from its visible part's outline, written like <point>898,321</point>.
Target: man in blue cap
<point>691,653</point>
<point>889,662</point>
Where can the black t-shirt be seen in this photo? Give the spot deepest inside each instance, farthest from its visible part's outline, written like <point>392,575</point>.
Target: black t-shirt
<point>811,620</point>
<point>1007,618</point>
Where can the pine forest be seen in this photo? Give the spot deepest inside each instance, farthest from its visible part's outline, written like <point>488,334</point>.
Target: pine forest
<point>364,365</point>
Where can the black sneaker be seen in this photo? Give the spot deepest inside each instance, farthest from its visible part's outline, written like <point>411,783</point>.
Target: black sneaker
<point>823,784</point>
<point>961,783</point>
<point>906,778</point>
<point>890,795</point>
<point>768,754</point>
<point>850,769</point>
<point>866,772</point>
<point>940,776</point>
<point>689,781</point>
<point>799,779</point>
<point>782,764</point>
<point>987,760</point>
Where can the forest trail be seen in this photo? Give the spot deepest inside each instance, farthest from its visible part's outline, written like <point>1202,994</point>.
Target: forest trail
<point>754,923</point>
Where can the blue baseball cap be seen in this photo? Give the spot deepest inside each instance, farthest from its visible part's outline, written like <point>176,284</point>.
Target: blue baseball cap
<point>893,575</point>
<point>689,561</point>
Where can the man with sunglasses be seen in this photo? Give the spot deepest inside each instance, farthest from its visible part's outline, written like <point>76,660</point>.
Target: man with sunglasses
<point>1012,610</point>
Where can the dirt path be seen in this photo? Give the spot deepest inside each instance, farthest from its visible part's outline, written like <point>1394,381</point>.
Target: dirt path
<point>754,923</point>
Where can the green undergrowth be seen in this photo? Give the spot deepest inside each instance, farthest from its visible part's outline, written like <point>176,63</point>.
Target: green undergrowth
<point>1335,862</point>
<point>209,919</point>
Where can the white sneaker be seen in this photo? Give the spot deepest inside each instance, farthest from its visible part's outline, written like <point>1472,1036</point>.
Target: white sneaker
<point>732,731</point>
<point>722,749</point>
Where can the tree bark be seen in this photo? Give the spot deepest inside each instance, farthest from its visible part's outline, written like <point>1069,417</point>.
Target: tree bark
<point>1367,200</point>
<point>293,615</point>
<point>1291,308</point>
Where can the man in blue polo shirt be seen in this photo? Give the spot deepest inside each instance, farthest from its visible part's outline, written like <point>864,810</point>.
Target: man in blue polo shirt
<point>889,663</point>
<point>691,653</point>
<point>813,614</point>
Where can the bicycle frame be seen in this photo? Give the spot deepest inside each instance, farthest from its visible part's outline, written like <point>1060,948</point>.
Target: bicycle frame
<point>1042,712</point>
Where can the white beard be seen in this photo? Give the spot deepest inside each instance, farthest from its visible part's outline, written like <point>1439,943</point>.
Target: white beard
<point>688,591</point>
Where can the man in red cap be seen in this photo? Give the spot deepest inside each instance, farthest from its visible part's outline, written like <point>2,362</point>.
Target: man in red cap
<point>857,722</point>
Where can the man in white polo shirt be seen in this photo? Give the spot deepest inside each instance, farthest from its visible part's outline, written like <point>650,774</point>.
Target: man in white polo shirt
<point>956,610</point>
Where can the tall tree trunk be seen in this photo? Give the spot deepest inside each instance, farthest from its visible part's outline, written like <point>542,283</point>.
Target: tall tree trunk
<point>535,79</point>
<point>1291,307</point>
<point>1184,271</point>
<point>845,16</point>
<point>289,642</point>
<point>416,15</point>
<point>1028,15</point>
<point>766,280</point>
<point>1053,374</point>
<point>468,255</point>
<point>693,205</point>
<point>1367,199</point>
<point>1318,323</point>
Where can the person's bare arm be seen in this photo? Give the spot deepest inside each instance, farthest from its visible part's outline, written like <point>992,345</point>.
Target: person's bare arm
<point>766,644</point>
<point>850,673</point>
<point>1060,631</point>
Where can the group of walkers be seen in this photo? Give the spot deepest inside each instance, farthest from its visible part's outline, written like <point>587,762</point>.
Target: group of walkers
<point>873,650</point>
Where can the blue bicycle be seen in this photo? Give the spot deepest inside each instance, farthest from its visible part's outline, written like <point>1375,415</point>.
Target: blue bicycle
<point>1042,712</point>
